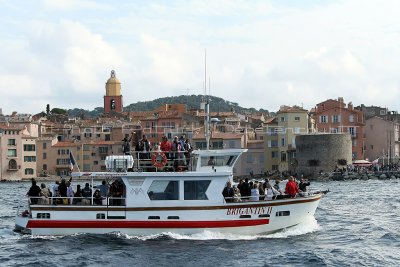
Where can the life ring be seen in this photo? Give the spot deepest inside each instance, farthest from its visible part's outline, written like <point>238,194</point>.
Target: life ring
<point>159,159</point>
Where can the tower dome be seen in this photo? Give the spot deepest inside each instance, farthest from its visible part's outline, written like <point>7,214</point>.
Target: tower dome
<point>113,85</point>
<point>113,78</point>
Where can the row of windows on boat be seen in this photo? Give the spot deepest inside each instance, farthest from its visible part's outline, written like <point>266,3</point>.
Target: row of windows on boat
<point>158,190</point>
<point>102,216</point>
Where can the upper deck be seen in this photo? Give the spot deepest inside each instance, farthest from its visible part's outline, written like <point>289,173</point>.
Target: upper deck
<point>201,162</point>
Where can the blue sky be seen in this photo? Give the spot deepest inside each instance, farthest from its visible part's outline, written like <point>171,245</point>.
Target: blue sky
<point>260,54</point>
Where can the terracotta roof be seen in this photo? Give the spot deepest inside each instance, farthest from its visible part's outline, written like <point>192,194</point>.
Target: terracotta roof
<point>255,141</point>
<point>104,143</point>
<point>28,136</point>
<point>291,109</point>
<point>64,144</point>
<point>218,135</point>
<point>11,127</point>
<point>270,120</point>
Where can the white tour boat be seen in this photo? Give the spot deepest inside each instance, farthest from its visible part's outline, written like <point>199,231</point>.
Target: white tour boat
<point>186,202</point>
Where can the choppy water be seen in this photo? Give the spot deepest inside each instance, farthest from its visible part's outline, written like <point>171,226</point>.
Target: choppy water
<point>356,224</point>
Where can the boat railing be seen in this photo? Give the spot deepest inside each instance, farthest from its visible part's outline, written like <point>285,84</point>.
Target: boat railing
<point>174,161</point>
<point>269,198</point>
<point>83,201</point>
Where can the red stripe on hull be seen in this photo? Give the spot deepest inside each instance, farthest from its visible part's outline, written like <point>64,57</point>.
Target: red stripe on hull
<point>143,224</point>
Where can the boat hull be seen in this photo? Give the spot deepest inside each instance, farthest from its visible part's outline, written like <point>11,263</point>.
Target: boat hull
<point>245,218</point>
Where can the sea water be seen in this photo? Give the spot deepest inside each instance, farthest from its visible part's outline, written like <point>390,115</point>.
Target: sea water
<point>356,224</point>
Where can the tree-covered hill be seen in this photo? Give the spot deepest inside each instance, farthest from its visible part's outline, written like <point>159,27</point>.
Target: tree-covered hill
<point>192,102</point>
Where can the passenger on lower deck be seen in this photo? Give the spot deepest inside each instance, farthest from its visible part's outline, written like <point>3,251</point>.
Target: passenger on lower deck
<point>271,192</point>
<point>291,187</point>
<point>34,192</point>
<point>228,192</point>
<point>45,193</point>
<point>255,194</point>
<point>117,192</point>
<point>87,194</point>
<point>97,199</point>
<point>77,196</point>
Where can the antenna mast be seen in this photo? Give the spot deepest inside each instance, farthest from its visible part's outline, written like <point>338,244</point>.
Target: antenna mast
<point>207,104</point>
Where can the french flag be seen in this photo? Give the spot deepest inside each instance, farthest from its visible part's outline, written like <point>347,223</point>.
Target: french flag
<point>71,161</point>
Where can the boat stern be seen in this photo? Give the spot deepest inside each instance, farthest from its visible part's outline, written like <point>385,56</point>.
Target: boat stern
<point>21,223</point>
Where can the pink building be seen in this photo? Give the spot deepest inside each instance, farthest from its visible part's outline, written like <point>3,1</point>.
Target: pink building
<point>334,116</point>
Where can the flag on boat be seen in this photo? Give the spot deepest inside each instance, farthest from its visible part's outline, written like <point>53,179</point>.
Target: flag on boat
<point>71,161</point>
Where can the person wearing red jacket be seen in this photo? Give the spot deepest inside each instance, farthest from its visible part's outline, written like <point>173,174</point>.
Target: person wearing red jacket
<point>291,187</point>
<point>165,146</point>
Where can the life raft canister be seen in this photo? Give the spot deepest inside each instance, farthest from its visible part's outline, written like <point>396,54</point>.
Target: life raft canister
<point>159,159</point>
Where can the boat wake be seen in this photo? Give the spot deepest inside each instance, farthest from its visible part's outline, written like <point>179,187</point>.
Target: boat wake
<point>309,226</point>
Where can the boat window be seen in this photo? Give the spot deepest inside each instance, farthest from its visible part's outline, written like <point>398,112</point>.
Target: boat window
<point>43,216</point>
<point>100,216</point>
<point>227,160</point>
<point>196,190</point>
<point>283,213</point>
<point>164,190</point>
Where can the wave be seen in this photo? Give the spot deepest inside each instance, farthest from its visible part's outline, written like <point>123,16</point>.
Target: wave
<point>309,226</point>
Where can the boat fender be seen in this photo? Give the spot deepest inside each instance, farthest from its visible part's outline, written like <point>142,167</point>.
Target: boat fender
<point>159,159</point>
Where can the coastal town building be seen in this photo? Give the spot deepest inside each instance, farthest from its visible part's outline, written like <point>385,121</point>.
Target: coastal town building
<point>334,116</point>
<point>280,137</point>
<point>11,157</point>
<point>382,139</point>
<point>372,111</point>
<point>54,155</point>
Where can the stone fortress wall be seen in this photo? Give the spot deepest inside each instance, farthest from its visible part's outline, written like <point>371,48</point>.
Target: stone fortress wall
<point>322,152</point>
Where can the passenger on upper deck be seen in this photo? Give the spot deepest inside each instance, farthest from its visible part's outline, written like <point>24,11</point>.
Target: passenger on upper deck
<point>228,192</point>
<point>126,147</point>
<point>188,150</point>
<point>165,146</point>
<point>176,149</point>
<point>144,147</point>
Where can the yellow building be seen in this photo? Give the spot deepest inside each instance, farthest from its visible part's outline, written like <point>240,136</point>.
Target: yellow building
<point>280,139</point>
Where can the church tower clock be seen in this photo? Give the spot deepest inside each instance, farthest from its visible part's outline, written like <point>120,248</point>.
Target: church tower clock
<point>113,97</point>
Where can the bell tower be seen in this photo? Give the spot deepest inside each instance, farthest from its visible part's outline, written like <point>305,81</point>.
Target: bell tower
<point>113,97</point>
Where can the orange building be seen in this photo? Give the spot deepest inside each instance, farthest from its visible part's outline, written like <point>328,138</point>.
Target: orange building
<point>334,116</point>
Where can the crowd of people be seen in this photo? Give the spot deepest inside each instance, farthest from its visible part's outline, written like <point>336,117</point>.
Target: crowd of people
<point>247,190</point>
<point>63,193</point>
<point>178,149</point>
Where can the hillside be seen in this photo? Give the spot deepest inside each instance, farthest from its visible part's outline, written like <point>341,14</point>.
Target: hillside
<point>192,102</point>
